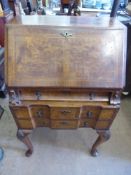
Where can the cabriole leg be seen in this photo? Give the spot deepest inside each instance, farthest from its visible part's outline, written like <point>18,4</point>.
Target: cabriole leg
<point>24,138</point>
<point>103,137</point>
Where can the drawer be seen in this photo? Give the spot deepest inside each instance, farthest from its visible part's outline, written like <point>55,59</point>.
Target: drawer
<point>40,94</point>
<point>108,113</point>
<point>24,124</point>
<point>31,94</point>
<point>89,123</point>
<point>42,122</point>
<point>64,124</point>
<point>103,124</point>
<point>40,111</point>
<point>20,112</point>
<point>90,112</point>
<point>65,113</point>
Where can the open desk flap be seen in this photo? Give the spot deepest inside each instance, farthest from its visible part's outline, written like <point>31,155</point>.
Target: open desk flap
<point>65,56</point>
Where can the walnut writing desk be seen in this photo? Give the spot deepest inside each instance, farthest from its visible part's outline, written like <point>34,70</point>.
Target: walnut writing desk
<point>65,73</point>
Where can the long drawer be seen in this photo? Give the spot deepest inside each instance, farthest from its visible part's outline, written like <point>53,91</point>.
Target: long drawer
<point>33,94</point>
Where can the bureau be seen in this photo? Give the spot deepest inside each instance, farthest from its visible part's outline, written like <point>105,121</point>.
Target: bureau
<point>65,73</point>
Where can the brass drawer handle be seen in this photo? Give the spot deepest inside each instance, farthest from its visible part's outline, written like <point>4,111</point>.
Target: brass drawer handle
<point>85,124</point>
<point>77,117</point>
<point>64,123</point>
<point>65,112</point>
<point>66,34</point>
<point>91,96</point>
<point>89,114</point>
<point>38,95</point>
<point>40,114</point>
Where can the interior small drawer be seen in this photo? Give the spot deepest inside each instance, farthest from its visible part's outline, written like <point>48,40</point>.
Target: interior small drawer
<point>40,111</point>
<point>65,113</point>
<point>20,112</point>
<point>24,124</point>
<point>64,124</point>
<point>90,112</point>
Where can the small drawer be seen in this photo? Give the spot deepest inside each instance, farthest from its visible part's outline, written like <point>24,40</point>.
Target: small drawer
<point>108,113</point>
<point>42,122</point>
<point>64,124</point>
<point>65,113</point>
<point>20,112</point>
<point>103,124</point>
<point>24,124</point>
<point>40,111</point>
<point>87,123</point>
<point>90,112</point>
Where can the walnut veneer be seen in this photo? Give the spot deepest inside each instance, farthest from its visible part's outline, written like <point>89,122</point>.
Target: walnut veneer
<point>65,73</point>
